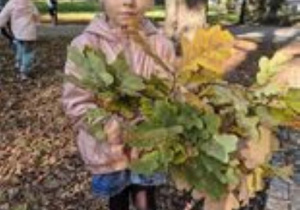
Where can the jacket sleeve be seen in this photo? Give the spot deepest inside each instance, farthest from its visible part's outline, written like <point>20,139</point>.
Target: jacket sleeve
<point>6,14</point>
<point>77,101</point>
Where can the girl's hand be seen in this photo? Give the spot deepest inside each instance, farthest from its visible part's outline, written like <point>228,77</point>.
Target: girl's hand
<point>113,131</point>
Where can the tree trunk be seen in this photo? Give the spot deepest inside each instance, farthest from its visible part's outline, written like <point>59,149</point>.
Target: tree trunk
<point>261,10</point>
<point>242,19</point>
<point>272,16</point>
<point>184,17</point>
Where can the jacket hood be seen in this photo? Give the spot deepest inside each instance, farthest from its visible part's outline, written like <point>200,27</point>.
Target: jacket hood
<point>100,27</point>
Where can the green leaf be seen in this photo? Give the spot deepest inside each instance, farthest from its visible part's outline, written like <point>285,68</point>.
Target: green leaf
<point>128,82</point>
<point>159,84</point>
<point>263,75</point>
<point>147,164</point>
<point>269,67</point>
<point>160,133</point>
<point>211,183</point>
<point>215,150</point>
<point>248,124</point>
<point>270,89</point>
<point>282,115</point>
<point>120,65</point>
<point>232,176</point>
<point>212,122</point>
<point>164,112</point>
<point>88,78</point>
<point>228,142</point>
<point>78,58</point>
<point>265,116</point>
<point>98,64</point>
<point>211,164</point>
<point>146,107</point>
<point>167,156</point>
<point>95,115</point>
<point>139,142</point>
<point>231,95</point>
<point>292,99</point>
<point>94,118</point>
<point>221,147</point>
<point>131,84</point>
<point>180,155</point>
<point>97,132</point>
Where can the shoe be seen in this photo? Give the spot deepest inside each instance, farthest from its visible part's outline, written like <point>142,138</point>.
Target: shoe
<point>17,65</point>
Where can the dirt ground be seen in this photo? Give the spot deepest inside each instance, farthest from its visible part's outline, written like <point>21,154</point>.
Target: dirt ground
<point>40,168</point>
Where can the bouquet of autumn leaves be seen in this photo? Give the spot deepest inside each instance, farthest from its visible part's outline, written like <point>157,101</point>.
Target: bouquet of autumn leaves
<point>213,138</point>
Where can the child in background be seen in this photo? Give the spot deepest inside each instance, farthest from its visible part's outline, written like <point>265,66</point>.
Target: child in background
<point>23,17</point>
<point>107,160</point>
<point>5,31</point>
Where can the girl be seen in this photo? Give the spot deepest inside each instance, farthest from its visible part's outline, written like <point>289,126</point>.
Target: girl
<point>107,160</point>
<point>23,17</point>
<point>5,31</point>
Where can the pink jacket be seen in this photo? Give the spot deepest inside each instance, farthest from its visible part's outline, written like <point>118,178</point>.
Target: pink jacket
<point>23,16</point>
<point>107,156</point>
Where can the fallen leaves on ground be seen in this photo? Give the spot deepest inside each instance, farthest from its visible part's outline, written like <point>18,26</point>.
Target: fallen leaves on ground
<point>39,163</point>
<point>40,168</point>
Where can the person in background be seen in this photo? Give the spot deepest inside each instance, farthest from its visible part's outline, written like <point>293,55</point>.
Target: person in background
<point>23,17</point>
<point>52,8</point>
<point>5,31</point>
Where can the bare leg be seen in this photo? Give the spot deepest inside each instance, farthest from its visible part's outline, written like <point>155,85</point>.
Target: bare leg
<point>144,197</point>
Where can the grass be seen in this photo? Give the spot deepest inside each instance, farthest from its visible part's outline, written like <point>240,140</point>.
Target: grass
<point>77,6</point>
<point>67,6</point>
<point>71,17</point>
<point>84,11</point>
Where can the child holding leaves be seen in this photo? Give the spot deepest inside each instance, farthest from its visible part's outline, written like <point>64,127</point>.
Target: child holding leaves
<point>108,160</point>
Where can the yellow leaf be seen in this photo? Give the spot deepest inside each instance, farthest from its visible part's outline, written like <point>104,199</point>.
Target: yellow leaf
<point>259,184</point>
<point>228,202</point>
<point>209,49</point>
<point>250,185</point>
<point>194,100</point>
<point>284,172</point>
<point>280,58</point>
<point>243,196</point>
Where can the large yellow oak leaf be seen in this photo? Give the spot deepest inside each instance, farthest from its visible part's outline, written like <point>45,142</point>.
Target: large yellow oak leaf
<point>210,49</point>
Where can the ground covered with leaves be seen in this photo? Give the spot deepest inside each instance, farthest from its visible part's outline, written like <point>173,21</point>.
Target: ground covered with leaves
<point>40,167</point>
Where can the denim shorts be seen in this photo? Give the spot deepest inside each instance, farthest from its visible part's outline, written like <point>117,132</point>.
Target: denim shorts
<point>108,185</point>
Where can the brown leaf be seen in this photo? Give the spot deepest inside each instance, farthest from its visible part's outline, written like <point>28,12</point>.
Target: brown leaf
<point>198,195</point>
<point>258,151</point>
<point>228,202</point>
<point>289,74</point>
